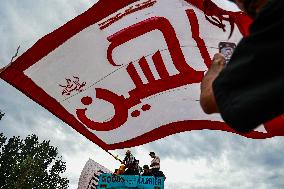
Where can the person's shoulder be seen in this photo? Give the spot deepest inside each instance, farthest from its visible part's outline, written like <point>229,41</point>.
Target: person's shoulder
<point>269,14</point>
<point>272,5</point>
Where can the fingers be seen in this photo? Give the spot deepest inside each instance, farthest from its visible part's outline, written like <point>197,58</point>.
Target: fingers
<point>218,63</point>
<point>218,55</point>
<point>218,59</point>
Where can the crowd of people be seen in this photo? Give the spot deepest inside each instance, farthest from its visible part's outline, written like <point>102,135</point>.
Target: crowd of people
<point>130,166</point>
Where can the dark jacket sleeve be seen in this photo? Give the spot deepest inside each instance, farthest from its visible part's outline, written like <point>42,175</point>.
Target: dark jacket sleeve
<point>250,90</point>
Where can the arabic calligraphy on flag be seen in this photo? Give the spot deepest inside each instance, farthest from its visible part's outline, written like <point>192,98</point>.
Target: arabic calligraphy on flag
<point>128,72</point>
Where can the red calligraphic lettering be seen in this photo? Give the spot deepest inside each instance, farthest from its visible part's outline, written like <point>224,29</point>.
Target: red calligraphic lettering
<point>196,36</point>
<point>186,75</point>
<point>120,111</point>
<point>128,11</point>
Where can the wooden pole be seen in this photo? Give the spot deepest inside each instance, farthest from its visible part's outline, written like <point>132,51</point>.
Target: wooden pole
<point>115,157</point>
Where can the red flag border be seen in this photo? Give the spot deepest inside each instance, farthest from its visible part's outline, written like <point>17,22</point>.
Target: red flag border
<point>14,75</point>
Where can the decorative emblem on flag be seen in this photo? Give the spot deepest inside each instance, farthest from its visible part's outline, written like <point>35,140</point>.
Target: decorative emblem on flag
<point>72,85</point>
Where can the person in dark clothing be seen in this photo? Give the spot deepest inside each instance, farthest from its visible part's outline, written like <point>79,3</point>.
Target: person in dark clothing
<point>160,174</point>
<point>130,164</point>
<point>249,90</point>
<point>115,172</point>
<point>138,169</point>
<point>146,171</point>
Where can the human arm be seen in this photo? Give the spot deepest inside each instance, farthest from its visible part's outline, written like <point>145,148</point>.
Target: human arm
<point>155,162</point>
<point>125,161</point>
<point>249,90</point>
<point>244,97</point>
<point>207,98</point>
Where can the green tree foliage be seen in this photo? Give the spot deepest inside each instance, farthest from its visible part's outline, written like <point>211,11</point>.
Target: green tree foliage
<point>29,164</point>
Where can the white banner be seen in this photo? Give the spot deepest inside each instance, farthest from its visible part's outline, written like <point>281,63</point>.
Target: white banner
<point>90,175</point>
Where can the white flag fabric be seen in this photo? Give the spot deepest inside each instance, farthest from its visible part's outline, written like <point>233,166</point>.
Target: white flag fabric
<point>90,175</point>
<point>128,72</point>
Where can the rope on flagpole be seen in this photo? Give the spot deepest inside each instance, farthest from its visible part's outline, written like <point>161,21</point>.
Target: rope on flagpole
<point>16,54</point>
<point>12,59</point>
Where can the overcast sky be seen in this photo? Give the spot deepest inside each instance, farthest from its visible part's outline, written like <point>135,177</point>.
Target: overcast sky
<point>191,160</point>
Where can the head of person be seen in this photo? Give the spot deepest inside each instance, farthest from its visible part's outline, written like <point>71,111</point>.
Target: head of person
<point>136,162</point>
<point>121,169</point>
<point>146,168</point>
<point>128,152</point>
<point>251,7</point>
<point>152,154</point>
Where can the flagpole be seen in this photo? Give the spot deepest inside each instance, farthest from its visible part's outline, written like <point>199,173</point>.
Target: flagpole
<point>115,157</point>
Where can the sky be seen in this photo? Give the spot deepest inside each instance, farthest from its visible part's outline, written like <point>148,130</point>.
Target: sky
<point>190,160</point>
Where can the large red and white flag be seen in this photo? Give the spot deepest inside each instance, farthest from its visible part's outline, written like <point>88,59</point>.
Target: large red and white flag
<point>127,72</point>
